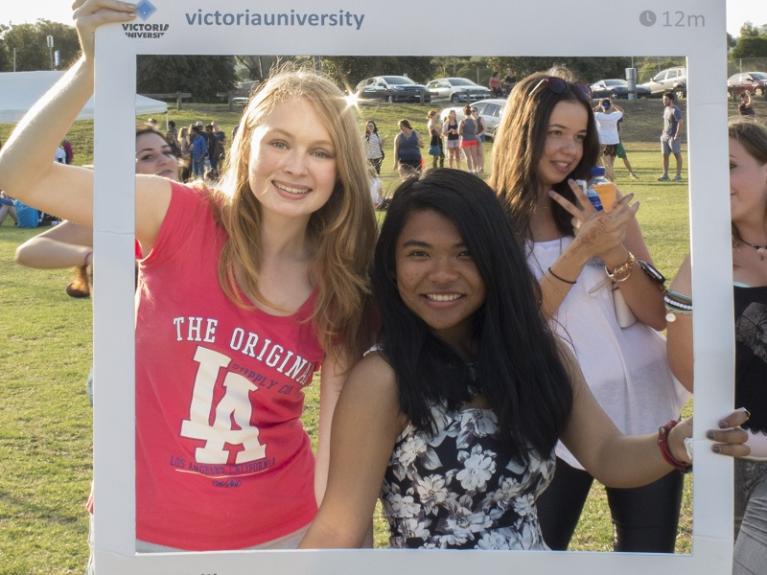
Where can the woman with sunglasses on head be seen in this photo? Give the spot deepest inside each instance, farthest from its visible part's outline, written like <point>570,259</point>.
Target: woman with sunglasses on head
<point>244,291</point>
<point>590,266</point>
<point>453,417</point>
<point>748,208</point>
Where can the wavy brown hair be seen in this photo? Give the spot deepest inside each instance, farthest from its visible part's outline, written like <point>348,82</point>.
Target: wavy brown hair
<point>342,233</point>
<point>519,144</point>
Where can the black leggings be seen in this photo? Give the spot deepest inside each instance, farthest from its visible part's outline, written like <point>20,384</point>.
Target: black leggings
<point>645,518</point>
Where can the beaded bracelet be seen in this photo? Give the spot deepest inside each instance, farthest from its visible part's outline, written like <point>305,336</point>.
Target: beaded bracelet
<point>623,271</point>
<point>676,304</point>
<point>665,449</point>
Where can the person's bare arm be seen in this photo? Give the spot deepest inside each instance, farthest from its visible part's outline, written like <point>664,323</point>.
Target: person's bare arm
<point>63,246</point>
<point>623,461</point>
<point>366,424</point>
<point>27,169</point>
<point>679,331</point>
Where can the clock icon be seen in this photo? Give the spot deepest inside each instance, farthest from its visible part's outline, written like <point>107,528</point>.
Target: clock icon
<point>648,18</point>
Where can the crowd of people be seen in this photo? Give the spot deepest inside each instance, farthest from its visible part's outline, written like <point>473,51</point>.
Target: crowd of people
<point>499,340</point>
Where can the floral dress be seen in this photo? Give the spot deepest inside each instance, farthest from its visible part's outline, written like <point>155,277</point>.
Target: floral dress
<point>460,488</point>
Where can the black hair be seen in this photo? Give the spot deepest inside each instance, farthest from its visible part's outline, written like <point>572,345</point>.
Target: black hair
<point>670,96</point>
<point>518,369</point>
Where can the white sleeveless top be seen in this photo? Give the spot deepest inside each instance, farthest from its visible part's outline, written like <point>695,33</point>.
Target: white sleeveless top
<point>625,368</point>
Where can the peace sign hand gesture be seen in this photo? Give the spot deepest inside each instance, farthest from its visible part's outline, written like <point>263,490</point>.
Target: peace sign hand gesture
<point>597,233</point>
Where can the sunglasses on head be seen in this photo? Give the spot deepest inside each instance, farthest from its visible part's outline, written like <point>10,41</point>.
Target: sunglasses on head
<point>559,86</point>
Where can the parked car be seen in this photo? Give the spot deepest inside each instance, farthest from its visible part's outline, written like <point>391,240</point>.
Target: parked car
<point>392,89</point>
<point>457,90</point>
<point>490,110</point>
<point>754,82</point>
<point>668,80</point>
<point>615,88</point>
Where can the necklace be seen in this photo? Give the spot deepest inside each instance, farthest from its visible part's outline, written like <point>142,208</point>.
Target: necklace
<point>761,250</point>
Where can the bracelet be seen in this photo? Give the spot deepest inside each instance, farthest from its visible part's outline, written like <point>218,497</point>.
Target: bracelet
<point>676,304</point>
<point>560,278</point>
<point>665,450</point>
<point>623,271</point>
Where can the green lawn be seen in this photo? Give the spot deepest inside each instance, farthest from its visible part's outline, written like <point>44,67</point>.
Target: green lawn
<point>45,430</point>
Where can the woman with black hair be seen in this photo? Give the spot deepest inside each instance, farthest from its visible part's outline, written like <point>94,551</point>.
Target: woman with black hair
<point>453,417</point>
<point>374,146</point>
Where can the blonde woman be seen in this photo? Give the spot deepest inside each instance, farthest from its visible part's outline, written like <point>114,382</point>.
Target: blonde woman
<point>748,208</point>
<point>244,292</point>
<point>452,140</point>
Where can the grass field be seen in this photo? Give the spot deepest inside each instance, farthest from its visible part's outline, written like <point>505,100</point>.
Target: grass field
<point>45,425</point>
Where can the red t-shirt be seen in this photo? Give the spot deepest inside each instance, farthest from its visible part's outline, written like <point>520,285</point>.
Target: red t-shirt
<point>222,459</point>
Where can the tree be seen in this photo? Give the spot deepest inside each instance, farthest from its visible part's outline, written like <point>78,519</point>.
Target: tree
<point>202,76</point>
<point>584,69</point>
<point>31,46</point>
<point>751,43</point>
<point>258,67</point>
<point>349,70</point>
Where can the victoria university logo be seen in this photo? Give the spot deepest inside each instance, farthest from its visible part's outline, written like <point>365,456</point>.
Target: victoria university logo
<point>145,10</point>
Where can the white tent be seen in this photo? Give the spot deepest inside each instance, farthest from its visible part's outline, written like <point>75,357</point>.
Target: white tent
<point>19,90</point>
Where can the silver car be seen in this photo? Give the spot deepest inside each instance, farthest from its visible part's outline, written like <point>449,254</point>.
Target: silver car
<point>456,90</point>
<point>490,110</point>
<point>668,80</point>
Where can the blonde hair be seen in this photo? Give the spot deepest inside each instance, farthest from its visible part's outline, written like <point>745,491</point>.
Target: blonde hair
<point>752,135</point>
<point>343,231</point>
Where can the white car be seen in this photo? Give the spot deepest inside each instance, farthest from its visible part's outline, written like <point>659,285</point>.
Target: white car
<point>669,80</point>
<point>490,110</point>
<point>456,90</point>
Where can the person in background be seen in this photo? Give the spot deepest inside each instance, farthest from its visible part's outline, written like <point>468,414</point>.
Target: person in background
<point>452,140</point>
<point>69,154</point>
<point>185,151</point>
<point>509,80</point>
<point>745,106</point>
<point>434,127</point>
<point>407,149</point>
<point>171,136</point>
<point>467,128</point>
<point>671,136</point>
<point>480,152</point>
<point>199,150</point>
<point>7,208</point>
<point>607,116</point>
<point>620,151</point>
<point>748,204</point>
<point>600,293</point>
<point>494,84</point>
<point>374,146</point>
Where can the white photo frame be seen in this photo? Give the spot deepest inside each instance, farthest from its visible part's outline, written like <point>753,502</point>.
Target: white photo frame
<point>691,28</point>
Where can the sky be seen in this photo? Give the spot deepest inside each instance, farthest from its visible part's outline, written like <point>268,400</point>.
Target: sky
<point>21,11</point>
